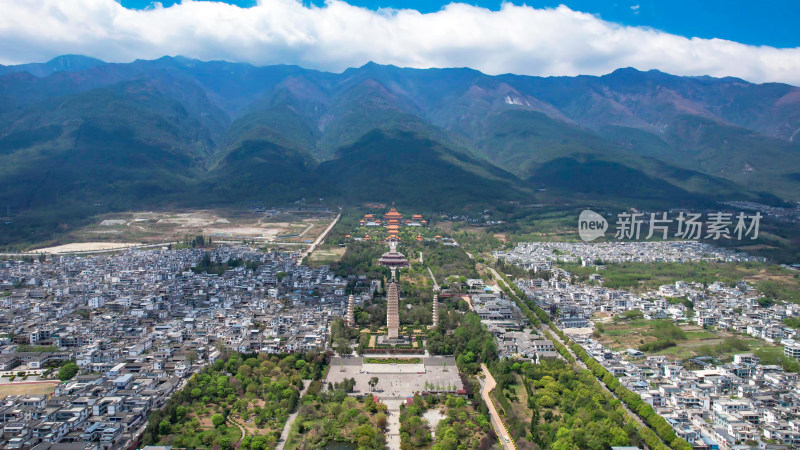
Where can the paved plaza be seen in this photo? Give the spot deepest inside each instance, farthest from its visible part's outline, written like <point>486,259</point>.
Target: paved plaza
<point>397,380</point>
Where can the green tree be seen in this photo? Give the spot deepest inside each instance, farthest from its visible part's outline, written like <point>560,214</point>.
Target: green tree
<point>68,371</point>
<point>164,427</point>
<point>342,347</point>
<point>217,420</point>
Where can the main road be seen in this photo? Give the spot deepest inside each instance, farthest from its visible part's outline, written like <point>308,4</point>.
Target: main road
<point>320,238</point>
<point>580,363</point>
<point>497,422</point>
<point>498,278</point>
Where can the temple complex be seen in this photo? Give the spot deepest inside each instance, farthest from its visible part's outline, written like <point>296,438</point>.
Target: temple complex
<point>397,356</point>
<point>393,217</point>
<point>394,222</point>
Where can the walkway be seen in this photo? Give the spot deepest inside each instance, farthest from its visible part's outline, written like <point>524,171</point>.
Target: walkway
<point>288,426</point>
<point>393,423</point>
<point>241,429</point>
<point>435,284</point>
<point>497,422</point>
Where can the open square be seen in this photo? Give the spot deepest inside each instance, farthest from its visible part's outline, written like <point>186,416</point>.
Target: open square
<point>435,374</point>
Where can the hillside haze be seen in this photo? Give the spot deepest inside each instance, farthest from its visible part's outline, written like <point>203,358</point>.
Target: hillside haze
<point>78,133</point>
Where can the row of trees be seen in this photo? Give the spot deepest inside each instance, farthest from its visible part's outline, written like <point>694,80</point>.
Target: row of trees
<point>632,400</point>
<point>569,407</point>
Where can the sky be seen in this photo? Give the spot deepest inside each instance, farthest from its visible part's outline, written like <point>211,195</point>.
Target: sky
<point>756,41</point>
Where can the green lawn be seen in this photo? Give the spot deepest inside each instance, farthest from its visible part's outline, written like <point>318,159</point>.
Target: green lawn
<point>678,352</point>
<point>688,341</point>
<point>769,355</point>
<point>699,335</point>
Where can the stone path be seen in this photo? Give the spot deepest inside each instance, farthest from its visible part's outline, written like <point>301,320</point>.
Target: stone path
<point>435,284</point>
<point>393,424</point>
<point>292,417</point>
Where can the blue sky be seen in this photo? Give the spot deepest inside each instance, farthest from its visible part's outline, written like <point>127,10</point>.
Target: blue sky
<point>772,22</point>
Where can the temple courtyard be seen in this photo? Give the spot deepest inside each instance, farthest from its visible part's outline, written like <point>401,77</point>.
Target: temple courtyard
<point>397,381</point>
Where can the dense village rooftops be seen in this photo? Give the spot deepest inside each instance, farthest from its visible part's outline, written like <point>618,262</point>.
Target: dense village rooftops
<point>138,321</point>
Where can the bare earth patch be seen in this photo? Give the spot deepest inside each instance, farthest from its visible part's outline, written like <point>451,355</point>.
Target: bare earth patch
<point>250,232</point>
<point>39,388</point>
<point>433,416</point>
<point>120,230</point>
<point>84,247</point>
<point>328,255</point>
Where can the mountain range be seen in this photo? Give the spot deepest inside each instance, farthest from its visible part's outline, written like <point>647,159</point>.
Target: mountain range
<point>79,133</point>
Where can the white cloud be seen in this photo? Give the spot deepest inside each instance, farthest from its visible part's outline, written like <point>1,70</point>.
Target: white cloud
<point>518,39</point>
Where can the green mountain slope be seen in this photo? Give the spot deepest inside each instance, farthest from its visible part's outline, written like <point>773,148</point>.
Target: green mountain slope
<point>415,170</point>
<point>124,142</point>
<point>79,133</point>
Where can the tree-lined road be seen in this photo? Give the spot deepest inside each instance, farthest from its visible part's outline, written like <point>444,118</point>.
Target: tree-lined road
<point>497,422</point>
<point>544,327</point>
